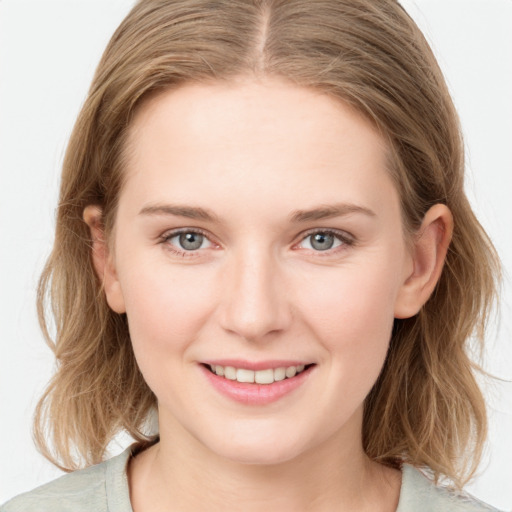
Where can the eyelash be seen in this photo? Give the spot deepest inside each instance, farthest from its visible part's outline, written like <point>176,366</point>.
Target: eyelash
<point>345,239</point>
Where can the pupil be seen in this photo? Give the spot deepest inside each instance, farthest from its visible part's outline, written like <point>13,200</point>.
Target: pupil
<point>191,241</point>
<point>322,241</point>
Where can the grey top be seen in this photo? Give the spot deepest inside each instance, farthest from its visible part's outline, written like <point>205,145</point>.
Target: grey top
<point>104,488</point>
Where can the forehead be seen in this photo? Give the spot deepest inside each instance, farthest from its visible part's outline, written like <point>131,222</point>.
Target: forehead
<point>267,138</point>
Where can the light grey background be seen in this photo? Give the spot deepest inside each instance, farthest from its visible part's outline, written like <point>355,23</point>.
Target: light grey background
<point>48,53</point>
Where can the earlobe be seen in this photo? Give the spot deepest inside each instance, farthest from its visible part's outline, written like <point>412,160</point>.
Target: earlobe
<point>428,256</point>
<point>102,259</point>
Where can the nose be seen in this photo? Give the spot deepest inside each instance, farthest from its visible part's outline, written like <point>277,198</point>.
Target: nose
<point>254,302</point>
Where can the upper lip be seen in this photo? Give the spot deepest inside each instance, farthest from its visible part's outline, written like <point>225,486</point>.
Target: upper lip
<point>256,365</point>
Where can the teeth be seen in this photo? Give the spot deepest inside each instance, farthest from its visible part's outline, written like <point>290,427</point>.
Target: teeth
<point>291,371</point>
<point>260,376</point>
<point>229,372</point>
<point>244,375</point>
<point>264,376</point>
<point>279,374</point>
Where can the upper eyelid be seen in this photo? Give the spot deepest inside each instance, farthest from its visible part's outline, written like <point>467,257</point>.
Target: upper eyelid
<point>174,232</point>
<point>339,232</point>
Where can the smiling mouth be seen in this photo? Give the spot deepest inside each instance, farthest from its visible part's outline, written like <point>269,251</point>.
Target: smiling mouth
<point>268,376</point>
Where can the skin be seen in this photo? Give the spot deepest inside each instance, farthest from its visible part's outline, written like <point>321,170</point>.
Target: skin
<point>253,153</point>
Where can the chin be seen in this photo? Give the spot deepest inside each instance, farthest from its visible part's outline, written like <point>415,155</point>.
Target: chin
<point>262,449</point>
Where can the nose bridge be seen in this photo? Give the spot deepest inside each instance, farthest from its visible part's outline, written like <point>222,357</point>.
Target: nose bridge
<point>254,298</point>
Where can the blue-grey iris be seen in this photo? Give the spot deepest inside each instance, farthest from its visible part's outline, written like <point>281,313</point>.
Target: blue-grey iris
<point>191,241</point>
<point>322,241</point>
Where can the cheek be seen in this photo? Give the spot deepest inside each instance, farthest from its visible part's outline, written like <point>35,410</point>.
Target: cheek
<point>352,313</point>
<point>166,305</point>
<point>166,308</point>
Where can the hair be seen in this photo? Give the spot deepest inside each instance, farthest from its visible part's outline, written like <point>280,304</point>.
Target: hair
<point>426,408</point>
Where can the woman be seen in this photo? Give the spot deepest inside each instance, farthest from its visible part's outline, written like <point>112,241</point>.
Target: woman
<point>262,231</point>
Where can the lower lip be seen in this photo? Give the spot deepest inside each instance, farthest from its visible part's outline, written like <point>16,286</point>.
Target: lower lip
<point>256,394</point>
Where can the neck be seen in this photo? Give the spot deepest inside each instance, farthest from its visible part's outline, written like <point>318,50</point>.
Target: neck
<point>182,474</point>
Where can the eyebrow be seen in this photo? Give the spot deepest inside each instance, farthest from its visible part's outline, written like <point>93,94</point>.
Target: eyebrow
<point>329,211</point>
<point>298,216</point>
<point>191,212</point>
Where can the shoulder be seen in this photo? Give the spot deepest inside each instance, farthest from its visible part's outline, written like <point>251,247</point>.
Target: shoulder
<point>76,491</point>
<point>419,494</point>
<point>102,488</point>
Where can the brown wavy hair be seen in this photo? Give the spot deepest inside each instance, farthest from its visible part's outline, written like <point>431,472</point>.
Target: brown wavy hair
<point>426,408</point>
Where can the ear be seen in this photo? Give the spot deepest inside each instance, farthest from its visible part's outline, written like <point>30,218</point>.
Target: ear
<point>428,254</point>
<point>102,259</point>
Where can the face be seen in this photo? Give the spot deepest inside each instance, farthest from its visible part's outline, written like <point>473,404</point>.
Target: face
<point>258,234</point>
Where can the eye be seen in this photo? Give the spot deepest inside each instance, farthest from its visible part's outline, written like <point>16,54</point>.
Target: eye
<point>186,241</point>
<point>324,240</point>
